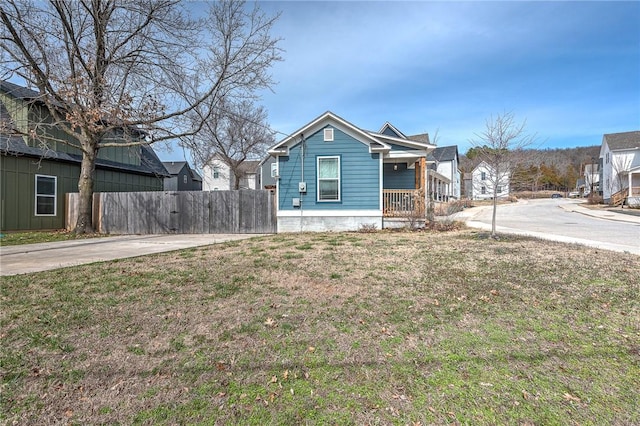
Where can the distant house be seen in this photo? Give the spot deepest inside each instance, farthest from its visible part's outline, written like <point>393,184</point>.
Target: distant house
<point>591,179</point>
<point>620,157</point>
<point>217,175</point>
<point>335,176</point>
<point>268,173</point>
<point>447,164</point>
<point>35,174</point>
<point>182,177</point>
<point>484,180</point>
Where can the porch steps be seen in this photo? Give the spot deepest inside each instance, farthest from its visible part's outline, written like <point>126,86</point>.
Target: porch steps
<point>619,197</point>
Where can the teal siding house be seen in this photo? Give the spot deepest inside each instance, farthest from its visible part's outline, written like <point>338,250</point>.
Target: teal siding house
<point>333,176</point>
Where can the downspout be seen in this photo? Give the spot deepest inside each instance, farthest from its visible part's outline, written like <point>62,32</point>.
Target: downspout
<point>302,146</point>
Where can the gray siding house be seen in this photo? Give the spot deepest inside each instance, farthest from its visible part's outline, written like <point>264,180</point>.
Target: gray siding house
<point>182,177</point>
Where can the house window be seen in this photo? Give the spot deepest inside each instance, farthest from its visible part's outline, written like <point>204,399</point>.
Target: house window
<point>328,135</point>
<point>184,178</point>
<point>216,173</point>
<point>483,190</point>
<point>46,195</point>
<point>483,176</point>
<point>607,158</point>
<point>499,190</point>
<point>328,178</point>
<point>274,170</point>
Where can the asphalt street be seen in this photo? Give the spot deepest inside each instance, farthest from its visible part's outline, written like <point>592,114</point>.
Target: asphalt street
<point>562,220</point>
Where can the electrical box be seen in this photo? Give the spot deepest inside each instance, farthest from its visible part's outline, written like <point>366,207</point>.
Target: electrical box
<point>302,186</point>
<point>296,202</point>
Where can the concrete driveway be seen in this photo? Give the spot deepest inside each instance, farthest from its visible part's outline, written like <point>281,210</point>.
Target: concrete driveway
<point>28,258</point>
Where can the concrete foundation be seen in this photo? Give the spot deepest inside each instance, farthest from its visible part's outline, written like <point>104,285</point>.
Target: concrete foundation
<point>327,223</point>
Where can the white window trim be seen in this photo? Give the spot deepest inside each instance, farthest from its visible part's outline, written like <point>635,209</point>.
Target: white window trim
<point>328,135</point>
<point>54,196</point>
<point>274,170</point>
<point>324,157</point>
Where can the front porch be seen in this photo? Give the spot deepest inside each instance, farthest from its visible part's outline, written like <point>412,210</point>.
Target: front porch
<point>421,185</point>
<point>631,194</point>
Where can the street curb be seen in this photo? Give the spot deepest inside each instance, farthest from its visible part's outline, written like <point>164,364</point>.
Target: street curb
<point>613,216</point>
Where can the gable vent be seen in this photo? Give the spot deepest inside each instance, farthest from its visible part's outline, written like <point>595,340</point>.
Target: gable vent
<point>328,135</point>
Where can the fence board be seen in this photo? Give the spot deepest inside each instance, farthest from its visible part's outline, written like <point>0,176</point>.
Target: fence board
<point>188,212</point>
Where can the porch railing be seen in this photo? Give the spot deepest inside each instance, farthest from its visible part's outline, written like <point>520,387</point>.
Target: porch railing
<point>403,202</point>
<point>619,197</point>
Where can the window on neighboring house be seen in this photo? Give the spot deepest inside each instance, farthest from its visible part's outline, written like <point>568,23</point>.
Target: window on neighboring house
<point>607,158</point>
<point>46,195</point>
<point>328,178</point>
<point>483,190</point>
<point>184,178</point>
<point>499,190</point>
<point>483,176</point>
<point>274,170</point>
<point>216,173</point>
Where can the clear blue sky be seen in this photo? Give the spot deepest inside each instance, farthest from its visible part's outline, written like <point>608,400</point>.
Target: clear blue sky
<point>571,69</point>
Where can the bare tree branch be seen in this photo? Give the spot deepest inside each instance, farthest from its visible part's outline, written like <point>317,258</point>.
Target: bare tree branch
<point>500,146</point>
<point>100,66</point>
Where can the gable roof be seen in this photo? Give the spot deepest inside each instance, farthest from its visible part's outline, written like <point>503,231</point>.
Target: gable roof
<point>444,153</point>
<point>150,164</point>
<point>11,144</point>
<point>320,122</point>
<point>625,140</point>
<point>174,167</point>
<point>388,127</point>
<point>249,166</point>
<point>422,137</point>
<point>18,91</point>
<point>376,141</point>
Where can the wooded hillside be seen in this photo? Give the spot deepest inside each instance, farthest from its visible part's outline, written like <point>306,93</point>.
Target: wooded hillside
<point>548,169</point>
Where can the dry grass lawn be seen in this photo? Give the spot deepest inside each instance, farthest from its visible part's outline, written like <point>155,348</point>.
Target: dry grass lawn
<point>350,328</point>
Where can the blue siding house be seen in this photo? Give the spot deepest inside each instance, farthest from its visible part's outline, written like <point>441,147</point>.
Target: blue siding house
<point>334,176</point>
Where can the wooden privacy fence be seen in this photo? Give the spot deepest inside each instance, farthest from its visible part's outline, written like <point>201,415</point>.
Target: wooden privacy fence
<point>185,212</point>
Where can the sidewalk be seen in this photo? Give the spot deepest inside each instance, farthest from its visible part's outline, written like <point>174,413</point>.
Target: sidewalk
<point>602,214</point>
<point>26,258</point>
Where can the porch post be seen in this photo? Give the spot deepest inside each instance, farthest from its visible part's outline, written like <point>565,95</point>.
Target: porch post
<point>630,187</point>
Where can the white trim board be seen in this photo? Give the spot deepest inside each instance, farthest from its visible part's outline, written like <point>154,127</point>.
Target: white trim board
<point>330,213</point>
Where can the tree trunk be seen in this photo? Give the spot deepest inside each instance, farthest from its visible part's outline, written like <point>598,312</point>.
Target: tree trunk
<point>84,225</point>
<point>493,217</point>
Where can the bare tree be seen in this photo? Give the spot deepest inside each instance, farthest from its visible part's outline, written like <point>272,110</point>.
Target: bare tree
<point>234,133</point>
<point>134,68</point>
<point>501,147</point>
<point>620,163</point>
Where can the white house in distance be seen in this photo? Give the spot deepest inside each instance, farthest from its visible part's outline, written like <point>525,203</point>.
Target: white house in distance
<point>483,180</point>
<point>620,157</point>
<point>217,175</point>
<point>591,178</point>
<point>447,164</point>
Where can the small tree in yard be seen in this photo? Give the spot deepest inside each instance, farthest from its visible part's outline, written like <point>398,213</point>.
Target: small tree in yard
<point>500,146</point>
<point>104,66</point>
